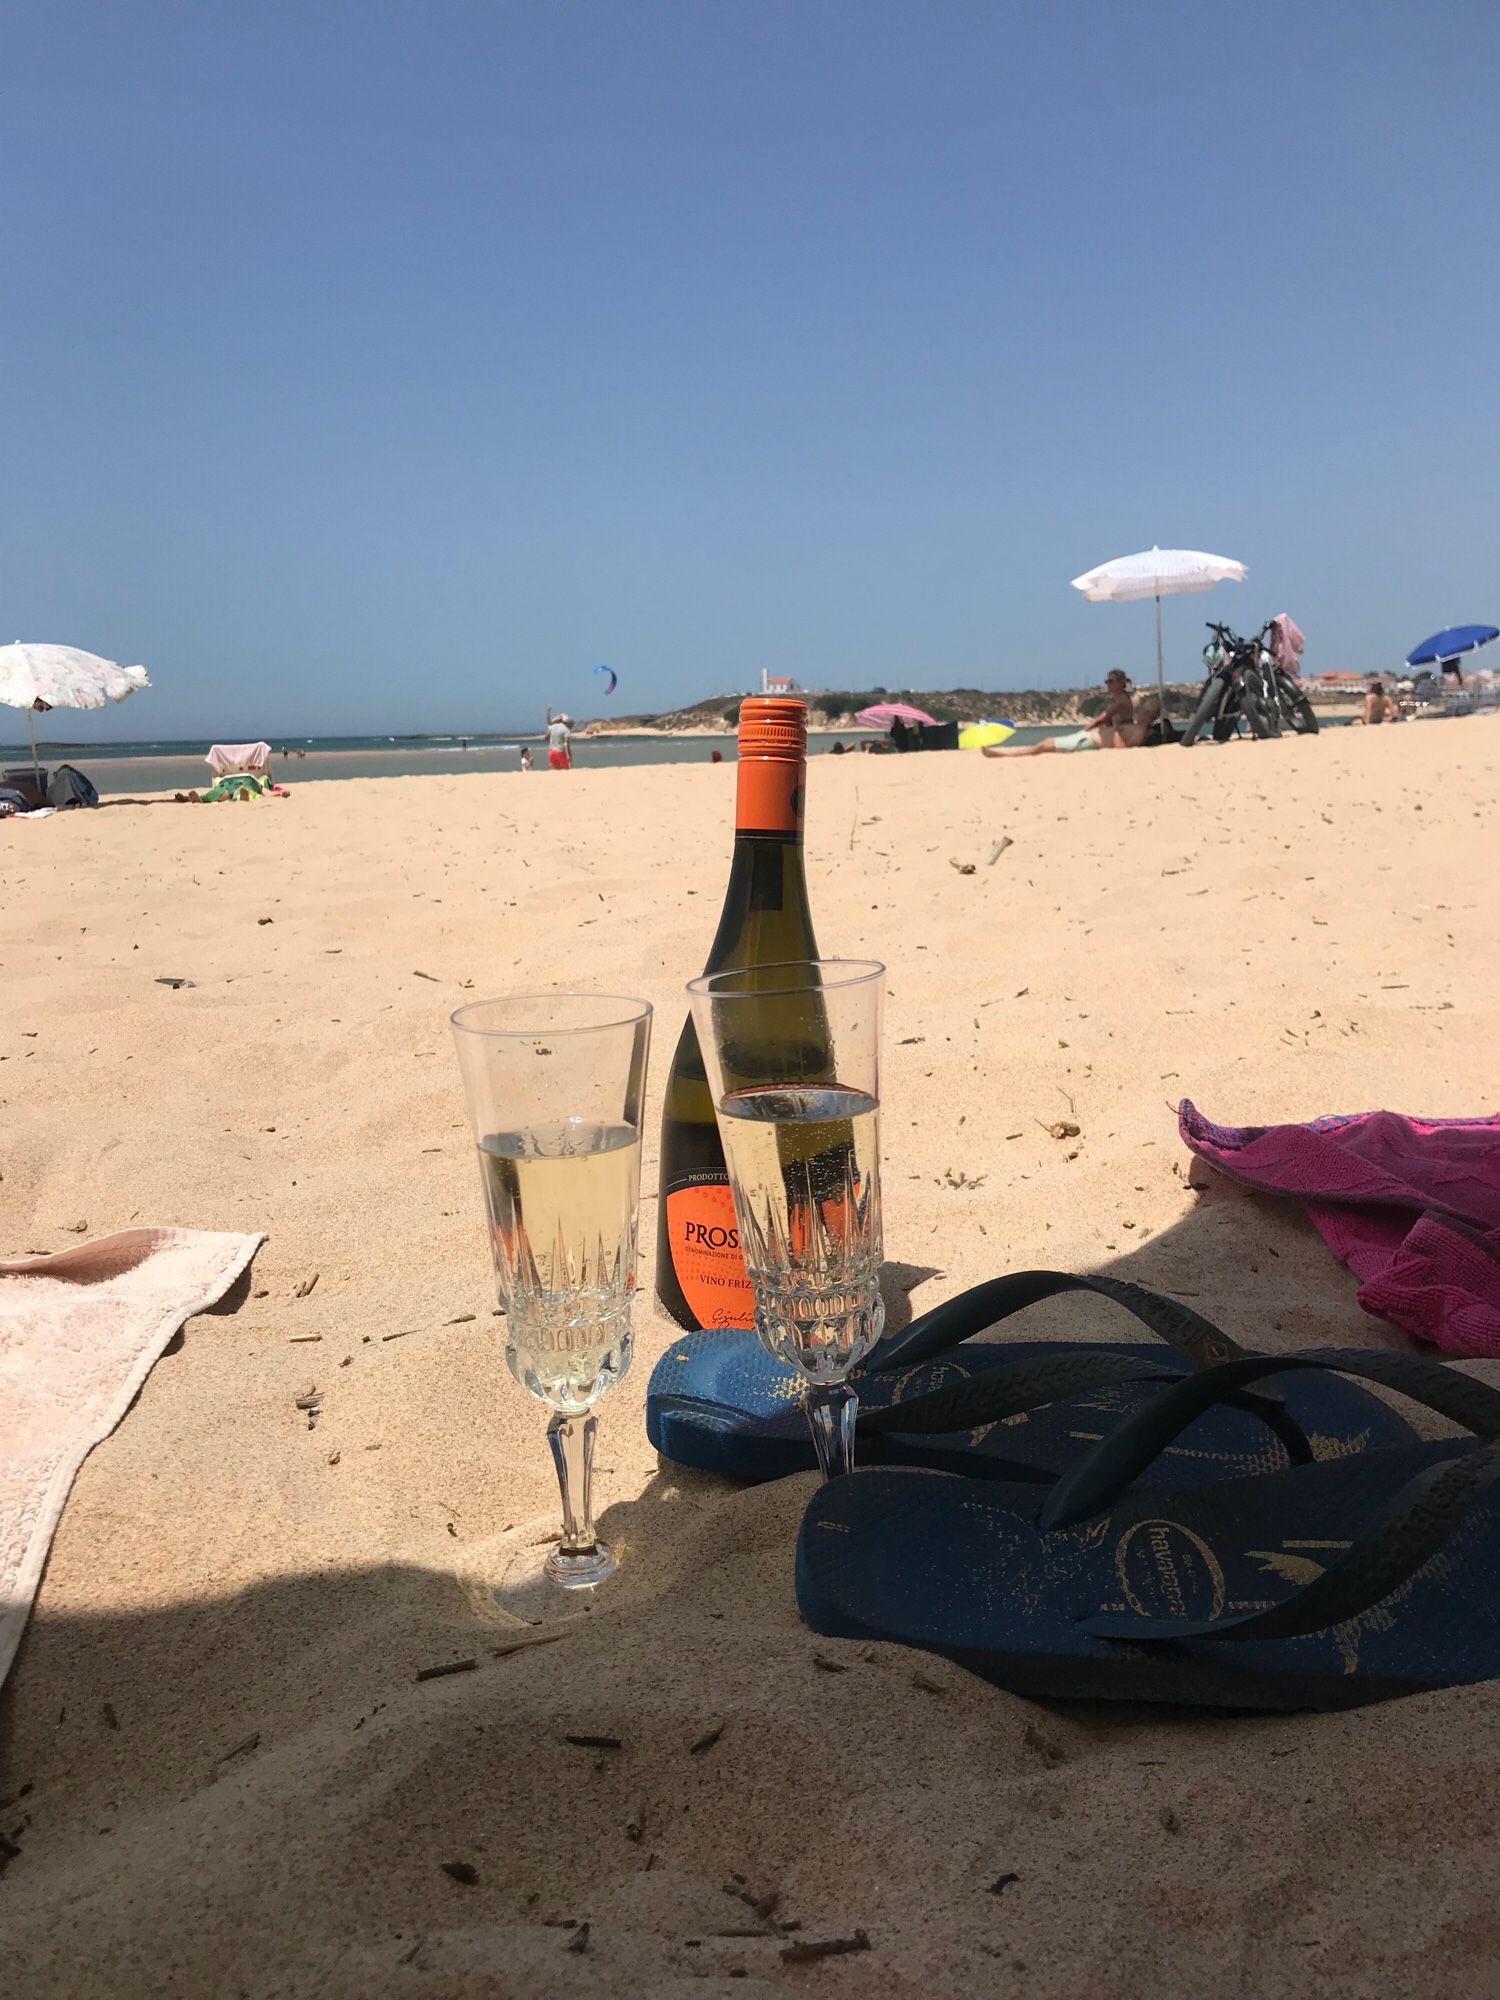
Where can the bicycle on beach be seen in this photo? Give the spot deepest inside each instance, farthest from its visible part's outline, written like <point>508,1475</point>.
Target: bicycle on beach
<point>1246,691</point>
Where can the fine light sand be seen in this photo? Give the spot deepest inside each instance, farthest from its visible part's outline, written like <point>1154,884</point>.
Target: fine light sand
<point>266,1801</point>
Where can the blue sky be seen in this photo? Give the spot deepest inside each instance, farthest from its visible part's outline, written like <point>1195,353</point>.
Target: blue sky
<point>371,365</point>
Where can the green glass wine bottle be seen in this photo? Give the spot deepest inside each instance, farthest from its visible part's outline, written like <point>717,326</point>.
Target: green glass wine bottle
<point>700,1273</point>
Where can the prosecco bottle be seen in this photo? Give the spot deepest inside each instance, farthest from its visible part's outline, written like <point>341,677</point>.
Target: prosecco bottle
<point>700,1274</point>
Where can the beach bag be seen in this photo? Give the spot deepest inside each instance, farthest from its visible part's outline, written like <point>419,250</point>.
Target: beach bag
<point>71,788</point>
<point>938,736</point>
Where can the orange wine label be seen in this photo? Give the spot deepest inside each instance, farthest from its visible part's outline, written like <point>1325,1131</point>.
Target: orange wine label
<point>705,1246</point>
<point>768,796</point>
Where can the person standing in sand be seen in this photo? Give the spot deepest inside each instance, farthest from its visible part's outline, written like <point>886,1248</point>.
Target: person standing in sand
<point>559,734</point>
<point>1104,731</point>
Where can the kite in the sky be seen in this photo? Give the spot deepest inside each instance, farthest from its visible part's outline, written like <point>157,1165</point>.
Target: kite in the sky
<point>614,678</point>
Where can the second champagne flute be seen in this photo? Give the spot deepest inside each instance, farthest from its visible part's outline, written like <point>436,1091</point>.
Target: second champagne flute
<point>792,1054</point>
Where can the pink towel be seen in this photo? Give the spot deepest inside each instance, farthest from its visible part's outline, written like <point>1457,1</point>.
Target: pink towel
<point>1410,1205</point>
<point>79,1332</point>
<point>1287,643</point>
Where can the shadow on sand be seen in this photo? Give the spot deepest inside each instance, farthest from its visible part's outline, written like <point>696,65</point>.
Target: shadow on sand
<point>255,1793</point>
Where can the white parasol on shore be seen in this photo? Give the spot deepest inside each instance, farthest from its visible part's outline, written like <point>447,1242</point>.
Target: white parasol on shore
<point>37,678</point>
<point>1157,573</point>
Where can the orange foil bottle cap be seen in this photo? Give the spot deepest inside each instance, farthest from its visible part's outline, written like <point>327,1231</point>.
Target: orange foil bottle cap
<point>772,726</point>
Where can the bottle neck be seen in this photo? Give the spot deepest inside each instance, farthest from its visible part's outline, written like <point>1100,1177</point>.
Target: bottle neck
<point>766,873</point>
<point>765,918</point>
<point>769,793</point>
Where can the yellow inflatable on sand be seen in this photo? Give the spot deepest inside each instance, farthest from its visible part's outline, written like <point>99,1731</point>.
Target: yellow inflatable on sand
<point>975,735</point>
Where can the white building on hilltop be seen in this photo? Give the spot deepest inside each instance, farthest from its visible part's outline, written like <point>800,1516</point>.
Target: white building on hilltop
<point>781,684</point>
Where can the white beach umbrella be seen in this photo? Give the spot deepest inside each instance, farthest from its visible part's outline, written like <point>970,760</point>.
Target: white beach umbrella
<point>43,677</point>
<point>1157,573</point>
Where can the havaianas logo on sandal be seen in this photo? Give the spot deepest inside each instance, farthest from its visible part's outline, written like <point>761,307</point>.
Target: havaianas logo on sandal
<point>1166,1571</point>
<point>924,1377</point>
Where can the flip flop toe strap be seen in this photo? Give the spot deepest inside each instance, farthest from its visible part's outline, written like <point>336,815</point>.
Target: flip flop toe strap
<point>983,1306</point>
<point>1006,1392</point>
<point>1096,1481</point>
<point>1027,1385</point>
<point>1419,1522</point>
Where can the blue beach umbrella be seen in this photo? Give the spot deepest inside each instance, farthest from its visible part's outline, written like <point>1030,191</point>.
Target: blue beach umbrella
<point>1449,643</point>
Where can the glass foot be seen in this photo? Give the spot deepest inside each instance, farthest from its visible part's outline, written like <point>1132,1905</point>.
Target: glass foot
<point>577,1569</point>
<point>537,1585</point>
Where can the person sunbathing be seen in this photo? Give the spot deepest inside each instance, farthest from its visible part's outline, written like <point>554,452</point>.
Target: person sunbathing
<point>1132,735</point>
<point>1100,732</point>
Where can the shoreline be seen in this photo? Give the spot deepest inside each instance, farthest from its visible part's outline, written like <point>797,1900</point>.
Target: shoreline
<point>144,777</point>
<point>63,753</point>
<point>67,753</point>
<point>596,731</point>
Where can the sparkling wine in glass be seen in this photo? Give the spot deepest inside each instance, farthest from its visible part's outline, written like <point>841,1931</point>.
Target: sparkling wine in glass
<point>555,1084</point>
<point>793,1060</point>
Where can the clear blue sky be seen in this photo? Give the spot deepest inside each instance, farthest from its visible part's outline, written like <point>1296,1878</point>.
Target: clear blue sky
<point>388,364</point>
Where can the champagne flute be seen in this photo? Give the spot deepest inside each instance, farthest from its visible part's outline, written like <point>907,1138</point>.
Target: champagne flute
<point>793,1060</point>
<point>555,1083</point>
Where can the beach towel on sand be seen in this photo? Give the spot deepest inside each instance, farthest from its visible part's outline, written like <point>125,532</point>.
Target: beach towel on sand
<point>1410,1205</point>
<point>238,785</point>
<point>79,1332</point>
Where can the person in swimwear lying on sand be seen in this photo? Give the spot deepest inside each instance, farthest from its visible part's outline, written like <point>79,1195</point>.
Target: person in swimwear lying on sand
<point>1132,735</point>
<point>1105,731</point>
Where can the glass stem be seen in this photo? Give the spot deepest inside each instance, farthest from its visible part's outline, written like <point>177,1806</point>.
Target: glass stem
<point>572,1442</point>
<point>831,1411</point>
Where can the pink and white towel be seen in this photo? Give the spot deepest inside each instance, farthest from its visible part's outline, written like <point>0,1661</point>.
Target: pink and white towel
<point>79,1333</point>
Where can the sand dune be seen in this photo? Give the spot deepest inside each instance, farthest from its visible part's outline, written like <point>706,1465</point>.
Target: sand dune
<point>1275,930</point>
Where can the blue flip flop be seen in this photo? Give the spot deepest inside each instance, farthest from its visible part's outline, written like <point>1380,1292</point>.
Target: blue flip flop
<point>934,1396</point>
<point>1325,1585</point>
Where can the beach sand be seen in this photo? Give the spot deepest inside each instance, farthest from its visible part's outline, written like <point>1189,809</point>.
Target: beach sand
<point>266,1805</point>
